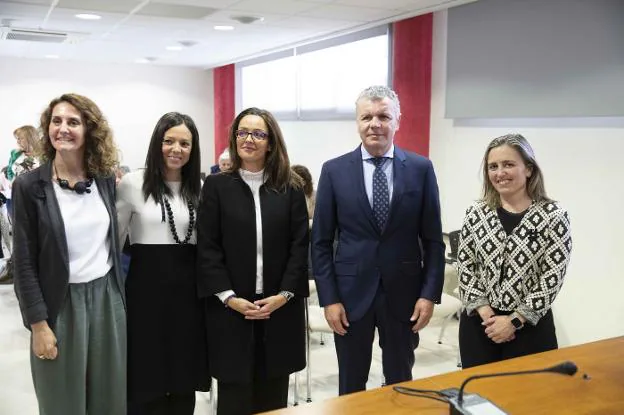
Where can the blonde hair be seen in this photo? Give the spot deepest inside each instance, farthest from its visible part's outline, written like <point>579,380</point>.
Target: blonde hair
<point>31,135</point>
<point>535,183</point>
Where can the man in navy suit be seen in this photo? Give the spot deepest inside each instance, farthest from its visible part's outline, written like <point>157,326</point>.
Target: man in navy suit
<point>381,205</point>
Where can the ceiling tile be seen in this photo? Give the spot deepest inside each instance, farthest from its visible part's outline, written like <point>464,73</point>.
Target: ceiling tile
<point>33,2</point>
<point>318,1</point>
<point>225,17</point>
<point>311,23</point>
<point>376,4</point>
<point>175,11</point>
<point>117,38</point>
<point>16,10</point>
<point>361,14</point>
<point>217,4</point>
<point>274,6</point>
<point>109,6</point>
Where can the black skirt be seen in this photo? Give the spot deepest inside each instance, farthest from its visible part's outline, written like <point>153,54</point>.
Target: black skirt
<point>167,347</point>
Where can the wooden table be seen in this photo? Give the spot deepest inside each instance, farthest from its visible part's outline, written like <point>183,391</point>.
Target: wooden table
<point>541,394</point>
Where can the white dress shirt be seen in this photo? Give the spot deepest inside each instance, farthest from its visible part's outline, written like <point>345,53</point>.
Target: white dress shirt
<point>369,169</point>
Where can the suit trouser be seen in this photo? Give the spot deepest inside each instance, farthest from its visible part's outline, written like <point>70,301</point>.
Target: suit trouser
<point>89,374</point>
<point>354,349</point>
<point>476,348</point>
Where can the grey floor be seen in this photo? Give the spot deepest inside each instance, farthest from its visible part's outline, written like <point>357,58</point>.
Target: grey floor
<point>17,396</point>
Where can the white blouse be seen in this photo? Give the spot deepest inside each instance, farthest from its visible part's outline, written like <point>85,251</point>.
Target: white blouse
<point>87,225</point>
<point>142,219</point>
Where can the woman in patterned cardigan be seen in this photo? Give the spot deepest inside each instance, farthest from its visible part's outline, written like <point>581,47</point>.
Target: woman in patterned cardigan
<point>513,254</point>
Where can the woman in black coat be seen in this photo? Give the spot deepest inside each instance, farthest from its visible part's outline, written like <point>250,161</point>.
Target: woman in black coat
<point>252,253</point>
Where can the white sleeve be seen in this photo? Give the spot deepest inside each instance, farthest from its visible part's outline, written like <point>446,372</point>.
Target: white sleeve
<point>124,207</point>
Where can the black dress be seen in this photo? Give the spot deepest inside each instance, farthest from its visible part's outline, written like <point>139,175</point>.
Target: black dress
<point>166,329</point>
<point>167,347</point>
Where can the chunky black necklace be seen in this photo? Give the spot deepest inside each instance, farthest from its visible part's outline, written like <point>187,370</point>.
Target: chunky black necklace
<point>174,232</point>
<point>80,187</point>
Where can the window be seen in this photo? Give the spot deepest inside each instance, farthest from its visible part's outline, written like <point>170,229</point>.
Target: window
<point>270,84</point>
<point>316,81</point>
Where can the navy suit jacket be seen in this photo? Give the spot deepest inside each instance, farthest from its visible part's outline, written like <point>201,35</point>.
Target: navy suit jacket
<point>407,257</point>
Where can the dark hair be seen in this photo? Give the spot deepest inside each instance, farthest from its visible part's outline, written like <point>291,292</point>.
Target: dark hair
<point>100,151</point>
<point>304,173</point>
<point>277,165</point>
<point>154,176</point>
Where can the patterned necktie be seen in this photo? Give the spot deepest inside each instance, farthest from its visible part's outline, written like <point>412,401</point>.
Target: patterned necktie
<point>381,195</point>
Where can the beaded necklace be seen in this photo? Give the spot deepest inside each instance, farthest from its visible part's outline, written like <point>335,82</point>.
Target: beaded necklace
<point>165,206</point>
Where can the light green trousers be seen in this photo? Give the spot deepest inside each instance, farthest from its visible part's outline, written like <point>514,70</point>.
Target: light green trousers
<point>89,375</point>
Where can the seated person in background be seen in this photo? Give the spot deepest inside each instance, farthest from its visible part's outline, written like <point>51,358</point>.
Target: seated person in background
<point>224,163</point>
<point>308,188</point>
<point>513,253</point>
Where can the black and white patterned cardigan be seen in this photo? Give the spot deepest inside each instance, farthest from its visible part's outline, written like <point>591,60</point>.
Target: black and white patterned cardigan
<point>534,256</point>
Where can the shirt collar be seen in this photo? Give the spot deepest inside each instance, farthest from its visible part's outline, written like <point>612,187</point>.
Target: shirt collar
<point>367,156</point>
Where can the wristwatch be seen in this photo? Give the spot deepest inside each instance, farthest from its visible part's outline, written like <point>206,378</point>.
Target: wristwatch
<point>515,320</point>
<point>287,295</point>
<point>225,302</point>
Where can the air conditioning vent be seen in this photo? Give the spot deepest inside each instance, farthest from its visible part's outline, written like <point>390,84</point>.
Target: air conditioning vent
<point>33,35</point>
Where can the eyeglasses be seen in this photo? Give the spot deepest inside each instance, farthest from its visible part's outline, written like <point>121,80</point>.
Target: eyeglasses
<point>255,134</point>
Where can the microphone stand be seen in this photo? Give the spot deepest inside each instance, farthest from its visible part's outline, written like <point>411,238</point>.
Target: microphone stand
<point>456,397</point>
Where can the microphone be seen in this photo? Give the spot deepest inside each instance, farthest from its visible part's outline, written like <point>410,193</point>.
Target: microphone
<point>459,406</point>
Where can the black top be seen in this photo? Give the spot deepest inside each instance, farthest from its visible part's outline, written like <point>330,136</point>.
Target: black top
<point>509,220</point>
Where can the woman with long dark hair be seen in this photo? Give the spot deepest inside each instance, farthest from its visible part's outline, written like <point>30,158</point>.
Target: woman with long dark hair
<point>252,251</point>
<point>167,357</point>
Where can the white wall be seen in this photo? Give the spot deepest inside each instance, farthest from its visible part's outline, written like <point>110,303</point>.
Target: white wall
<point>581,161</point>
<point>312,143</point>
<point>132,97</point>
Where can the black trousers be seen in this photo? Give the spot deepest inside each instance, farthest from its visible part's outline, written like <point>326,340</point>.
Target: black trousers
<point>261,394</point>
<point>476,348</point>
<point>165,405</point>
<point>354,349</point>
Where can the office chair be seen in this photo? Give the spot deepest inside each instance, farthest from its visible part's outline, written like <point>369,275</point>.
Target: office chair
<point>315,323</point>
<point>453,245</point>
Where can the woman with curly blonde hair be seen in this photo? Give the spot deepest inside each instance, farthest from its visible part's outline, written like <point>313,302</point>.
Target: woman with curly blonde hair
<point>67,264</point>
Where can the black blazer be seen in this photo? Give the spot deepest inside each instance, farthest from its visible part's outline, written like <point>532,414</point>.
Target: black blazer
<point>41,261</point>
<point>227,250</point>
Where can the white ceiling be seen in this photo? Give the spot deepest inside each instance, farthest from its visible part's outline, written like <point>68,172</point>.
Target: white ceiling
<point>130,30</point>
